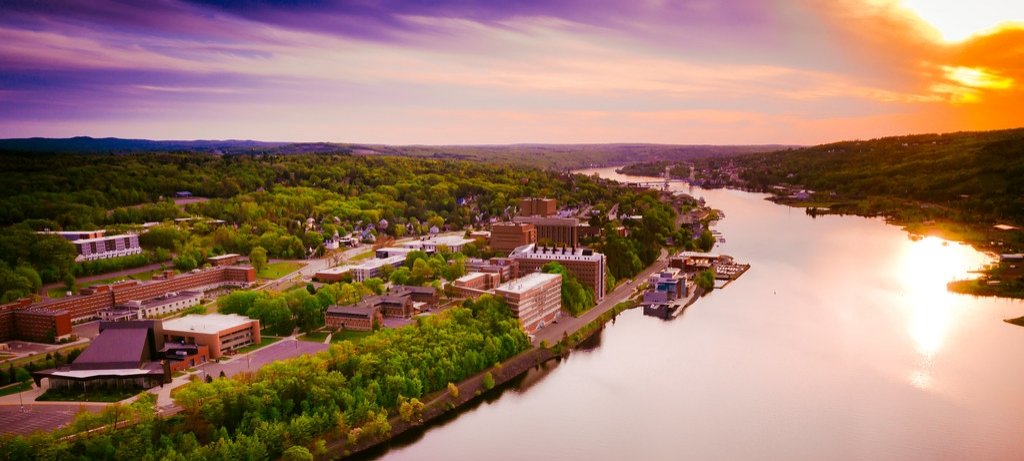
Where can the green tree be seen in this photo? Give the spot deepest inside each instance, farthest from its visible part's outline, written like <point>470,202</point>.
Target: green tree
<point>258,258</point>
<point>297,453</point>
<point>488,381</point>
<point>707,241</point>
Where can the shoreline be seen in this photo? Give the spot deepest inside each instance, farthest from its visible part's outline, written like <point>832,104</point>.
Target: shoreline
<point>472,389</point>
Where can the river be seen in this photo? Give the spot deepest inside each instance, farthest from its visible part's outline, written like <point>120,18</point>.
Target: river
<point>840,343</point>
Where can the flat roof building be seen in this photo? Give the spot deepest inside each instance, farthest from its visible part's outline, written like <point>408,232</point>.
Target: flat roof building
<point>553,230</point>
<point>373,267</point>
<point>533,206</point>
<point>93,245</point>
<point>334,274</point>
<point>536,299</point>
<point>429,244</point>
<point>225,260</point>
<point>222,333</point>
<point>588,266</point>
<point>358,317</point>
<point>508,236</point>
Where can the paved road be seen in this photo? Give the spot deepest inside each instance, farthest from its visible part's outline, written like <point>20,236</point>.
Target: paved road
<point>283,349</point>
<point>568,324</point>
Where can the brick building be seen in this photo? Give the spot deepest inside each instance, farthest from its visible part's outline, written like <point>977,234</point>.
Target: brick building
<point>357,317</point>
<point>532,206</point>
<point>475,284</point>
<point>229,259</point>
<point>508,236</point>
<point>19,320</point>
<point>221,333</point>
<point>554,230</point>
<point>588,266</point>
<point>87,305</point>
<point>536,299</point>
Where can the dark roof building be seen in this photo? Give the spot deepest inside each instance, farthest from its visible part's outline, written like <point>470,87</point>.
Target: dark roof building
<point>124,355</point>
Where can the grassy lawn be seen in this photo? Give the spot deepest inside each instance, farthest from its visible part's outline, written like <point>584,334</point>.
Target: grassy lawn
<point>104,395</point>
<point>350,335</point>
<point>314,337</point>
<point>264,341</point>
<point>57,293</point>
<point>279,269</point>
<point>364,255</point>
<point>15,388</point>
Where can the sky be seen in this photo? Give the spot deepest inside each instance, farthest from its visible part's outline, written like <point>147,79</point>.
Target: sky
<point>510,71</point>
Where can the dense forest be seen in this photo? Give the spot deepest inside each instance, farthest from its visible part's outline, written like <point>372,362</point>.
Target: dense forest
<point>967,176</point>
<point>345,393</point>
<point>284,204</point>
<point>551,156</point>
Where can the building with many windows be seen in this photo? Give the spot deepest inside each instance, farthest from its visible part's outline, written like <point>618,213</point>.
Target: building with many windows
<point>507,236</point>
<point>536,299</point>
<point>588,266</point>
<point>553,230</point>
<point>93,245</point>
<point>533,206</point>
<point>221,333</point>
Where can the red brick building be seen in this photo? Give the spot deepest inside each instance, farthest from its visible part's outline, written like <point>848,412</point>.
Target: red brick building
<point>85,306</point>
<point>508,236</point>
<point>532,206</point>
<point>357,317</point>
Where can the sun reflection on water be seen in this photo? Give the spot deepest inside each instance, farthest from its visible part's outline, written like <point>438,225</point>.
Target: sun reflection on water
<point>927,265</point>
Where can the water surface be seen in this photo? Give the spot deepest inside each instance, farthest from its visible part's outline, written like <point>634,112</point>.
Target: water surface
<point>840,343</point>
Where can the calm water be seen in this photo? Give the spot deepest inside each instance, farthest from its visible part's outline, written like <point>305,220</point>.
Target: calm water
<point>840,343</point>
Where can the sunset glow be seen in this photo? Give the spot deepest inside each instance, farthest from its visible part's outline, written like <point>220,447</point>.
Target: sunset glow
<point>957,20</point>
<point>688,71</point>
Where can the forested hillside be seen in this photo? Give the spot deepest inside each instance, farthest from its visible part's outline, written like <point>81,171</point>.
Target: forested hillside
<point>974,175</point>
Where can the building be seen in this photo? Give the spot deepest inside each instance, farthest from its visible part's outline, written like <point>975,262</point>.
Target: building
<point>373,267</point>
<point>693,261</point>
<point>476,283</point>
<point>429,244</point>
<point>89,302</point>
<point>229,259</point>
<point>508,236</point>
<point>531,206</point>
<point>123,356</point>
<point>23,321</point>
<point>334,274</point>
<point>387,252</point>
<point>588,266</point>
<point>181,357</point>
<point>160,306</point>
<point>359,317</point>
<point>20,320</point>
<point>536,299</point>
<point>667,286</point>
<point>99,246</point>
<point>71,236</point>
<point>427,296</point>
<point>554,230</point>
<point>221,333</point>
<point>505,268</point>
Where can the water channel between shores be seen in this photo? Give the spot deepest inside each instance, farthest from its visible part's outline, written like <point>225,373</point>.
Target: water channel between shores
<point>840,343</point>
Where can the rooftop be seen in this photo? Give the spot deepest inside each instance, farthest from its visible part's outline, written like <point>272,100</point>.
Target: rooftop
<point>104,238</point>
<point>450,240</point>
<point>336,270</point>
<point>209,323</point>
<point>528,282</point>
<point>227,256</point>
<point>361,310</point>
<point>532,251</point>
<point>119,347</point>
